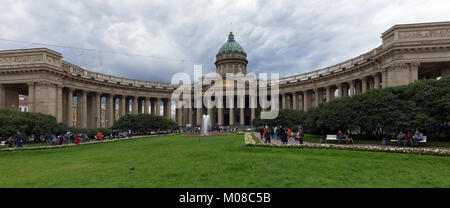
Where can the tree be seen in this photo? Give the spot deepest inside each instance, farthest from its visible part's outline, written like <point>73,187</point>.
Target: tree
<point>421,104</point>
<point>141,122</point>
<point>286,117</point>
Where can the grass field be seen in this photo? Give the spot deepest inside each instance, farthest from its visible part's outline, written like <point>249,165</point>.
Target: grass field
<point>176,161</point>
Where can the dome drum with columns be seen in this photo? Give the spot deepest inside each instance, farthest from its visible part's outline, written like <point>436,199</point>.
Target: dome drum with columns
<point>231,58</point>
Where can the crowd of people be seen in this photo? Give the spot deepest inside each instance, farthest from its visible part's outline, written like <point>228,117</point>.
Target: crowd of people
<point>413,139</point>
<point>347,137</point>
<point>267,134</point>
<point>59,139</point>
<point>279,132</point>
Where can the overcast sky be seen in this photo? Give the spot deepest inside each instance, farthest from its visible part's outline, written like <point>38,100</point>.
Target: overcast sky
<point>167,37</point>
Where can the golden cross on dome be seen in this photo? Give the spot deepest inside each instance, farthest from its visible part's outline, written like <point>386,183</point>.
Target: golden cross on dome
<point>231,31</point>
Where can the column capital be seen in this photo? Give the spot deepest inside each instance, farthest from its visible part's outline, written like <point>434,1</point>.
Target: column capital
<point>415,64</point>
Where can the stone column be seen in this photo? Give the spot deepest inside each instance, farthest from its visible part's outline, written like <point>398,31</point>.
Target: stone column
<point>220,116</point>
<point>231,116</point>
<point>146,101</point>
<point>69,107</point>
<point>327,92</point>
<point>364,84</point>
<point>178,116</point>
<point>97,108</point>
<point>210,111</point>
<point>241,112</point>
<point>294,101</point>
<point>316,96</point>
<point>158,106</point>
<point>199,115</point>
<point>283,101</point>
<point>109,113</point>
<point>414,72</point>
<point>3,95</point>
<point>135,109</point>
<point>190,117</point>
<point>122,106</point>
<point>305,100</point>
<point>384,78</point>
<point>352,87</point>
<point>59,105</point>
<point>84,109</point>
<point>168,109</point>
<point>340,90</point>
<point>376,81</point>
<point>252,114</point>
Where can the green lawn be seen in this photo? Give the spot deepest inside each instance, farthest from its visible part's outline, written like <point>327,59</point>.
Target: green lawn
<point>176,161</point>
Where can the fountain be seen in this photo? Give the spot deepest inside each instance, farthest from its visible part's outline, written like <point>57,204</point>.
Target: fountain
<point>206,125</point>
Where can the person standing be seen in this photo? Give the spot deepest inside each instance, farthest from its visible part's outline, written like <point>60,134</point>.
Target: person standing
<point>77,137</point>
<point>19,138</point>
<point>283,135</point>
<point>275,134</point>
<point>267,135</point>
<point>300,135</point>
<point>99,135</point>
<point>289,133</point>
<point>48,139</point>
<point>261,132</point>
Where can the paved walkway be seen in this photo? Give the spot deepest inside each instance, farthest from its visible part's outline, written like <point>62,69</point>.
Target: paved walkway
<point>74,145</point>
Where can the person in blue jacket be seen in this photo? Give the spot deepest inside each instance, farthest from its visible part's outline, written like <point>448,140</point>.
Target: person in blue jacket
<point>19,138</point>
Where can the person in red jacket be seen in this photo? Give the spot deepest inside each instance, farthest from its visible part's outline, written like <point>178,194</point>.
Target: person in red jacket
<point>77,136</point>
<point>99,135</point>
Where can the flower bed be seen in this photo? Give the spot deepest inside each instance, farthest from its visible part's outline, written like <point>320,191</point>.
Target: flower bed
<point>367,148</point>
<point>249,139</point>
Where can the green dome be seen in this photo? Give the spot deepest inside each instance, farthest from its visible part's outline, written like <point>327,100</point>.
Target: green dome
<point>231,46</point>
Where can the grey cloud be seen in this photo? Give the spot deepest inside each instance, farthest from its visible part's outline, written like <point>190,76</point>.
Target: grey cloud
<point>286,36</point>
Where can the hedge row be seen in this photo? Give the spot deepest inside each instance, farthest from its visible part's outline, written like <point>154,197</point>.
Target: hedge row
<point>424,105</point>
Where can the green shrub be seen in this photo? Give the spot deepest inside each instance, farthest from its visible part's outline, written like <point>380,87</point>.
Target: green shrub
<point>143,122</point>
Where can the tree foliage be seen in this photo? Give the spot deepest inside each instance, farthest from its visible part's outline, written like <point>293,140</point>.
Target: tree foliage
<point>28,123</point>
<point>144,122</point>
<point>286,117</point>
<point>418,105</point>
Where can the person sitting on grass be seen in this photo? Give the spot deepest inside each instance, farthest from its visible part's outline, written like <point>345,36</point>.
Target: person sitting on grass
<point>417,137</point>
<point>400,137</point>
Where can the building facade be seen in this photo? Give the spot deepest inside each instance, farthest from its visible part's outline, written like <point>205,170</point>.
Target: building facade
<point>408,53</point>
